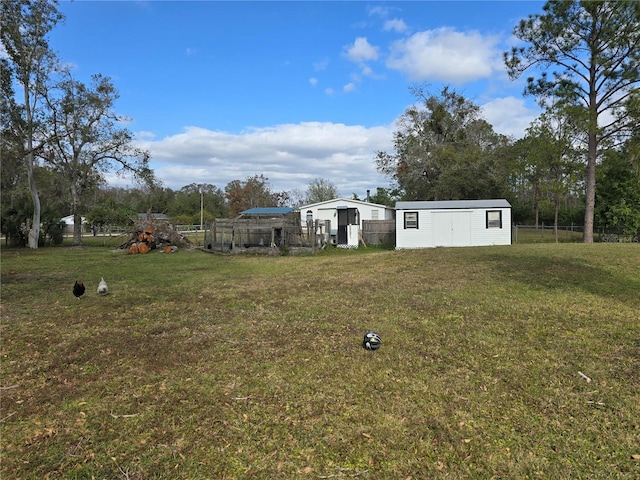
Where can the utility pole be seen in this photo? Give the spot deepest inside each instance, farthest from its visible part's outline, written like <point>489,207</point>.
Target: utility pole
<point>201,207</point>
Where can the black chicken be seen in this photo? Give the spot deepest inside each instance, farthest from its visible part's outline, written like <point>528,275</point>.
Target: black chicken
<point>78,289</point>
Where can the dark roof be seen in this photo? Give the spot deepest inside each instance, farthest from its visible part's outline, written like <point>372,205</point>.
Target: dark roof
<point>453,204</point>
<point>268,211</point>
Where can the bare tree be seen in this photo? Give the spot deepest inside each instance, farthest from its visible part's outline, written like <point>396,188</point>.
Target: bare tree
<point>320,190</point>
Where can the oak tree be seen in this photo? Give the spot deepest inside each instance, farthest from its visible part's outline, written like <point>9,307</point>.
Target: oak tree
<point>444,150</point>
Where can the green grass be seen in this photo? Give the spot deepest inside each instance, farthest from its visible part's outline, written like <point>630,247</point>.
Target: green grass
<point>205,366</point>
<point>545,235</point>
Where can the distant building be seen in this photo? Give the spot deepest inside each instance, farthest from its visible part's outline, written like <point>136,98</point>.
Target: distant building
<point>68,224</point>
<point>345,217</point>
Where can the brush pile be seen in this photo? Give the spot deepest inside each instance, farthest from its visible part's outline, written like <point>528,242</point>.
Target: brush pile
<point>148,235</point>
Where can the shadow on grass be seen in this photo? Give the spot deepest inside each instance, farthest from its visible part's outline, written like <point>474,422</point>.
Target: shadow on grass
<point>560,272</point>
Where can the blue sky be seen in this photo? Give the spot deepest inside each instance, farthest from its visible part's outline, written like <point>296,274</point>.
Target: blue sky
<point>220,91</point>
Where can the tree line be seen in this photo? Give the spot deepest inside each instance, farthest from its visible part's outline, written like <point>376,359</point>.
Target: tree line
<point>583,58</point>
<point>60,136</point>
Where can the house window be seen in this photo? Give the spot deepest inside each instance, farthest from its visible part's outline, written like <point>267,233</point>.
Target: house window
<point>374,214</point>
<point>410,220</point>
<point>494,218</point>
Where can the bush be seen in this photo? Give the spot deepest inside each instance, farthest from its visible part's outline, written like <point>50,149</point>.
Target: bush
<point>51,232</point>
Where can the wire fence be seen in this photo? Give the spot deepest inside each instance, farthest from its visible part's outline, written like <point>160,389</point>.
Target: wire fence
<point>567,233</point>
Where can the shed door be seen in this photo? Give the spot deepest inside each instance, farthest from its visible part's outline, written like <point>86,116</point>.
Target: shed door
<point>451,229</point>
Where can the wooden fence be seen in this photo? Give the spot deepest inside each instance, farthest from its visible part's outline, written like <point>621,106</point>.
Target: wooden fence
<point>242,234</point>
<point>379,232</point>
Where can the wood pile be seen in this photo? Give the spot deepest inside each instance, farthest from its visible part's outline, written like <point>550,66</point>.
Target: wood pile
<point>149,235</point>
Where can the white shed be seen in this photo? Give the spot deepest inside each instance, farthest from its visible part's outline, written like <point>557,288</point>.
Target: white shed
<point>69,223</point>
<point>453,223</point>
<point>343,214</point>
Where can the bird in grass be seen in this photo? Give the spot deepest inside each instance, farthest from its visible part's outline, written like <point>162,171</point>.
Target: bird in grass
<point>78,289</point>
<point>102,287</point>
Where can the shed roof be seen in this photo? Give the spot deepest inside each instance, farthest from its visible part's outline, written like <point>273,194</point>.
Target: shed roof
<point>268,211</point>
<point>453,204</point>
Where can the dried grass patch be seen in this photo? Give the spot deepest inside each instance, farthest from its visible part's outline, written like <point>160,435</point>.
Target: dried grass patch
<point>251,367</point>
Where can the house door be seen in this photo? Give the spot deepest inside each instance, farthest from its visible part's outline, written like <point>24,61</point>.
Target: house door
<point>342,226</point>
<point>346,216</point>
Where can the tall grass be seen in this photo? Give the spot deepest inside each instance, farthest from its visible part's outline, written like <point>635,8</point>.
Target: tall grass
<point>519,361</point>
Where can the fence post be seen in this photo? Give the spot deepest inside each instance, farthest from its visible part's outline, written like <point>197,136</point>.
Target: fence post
<point>314,237</point>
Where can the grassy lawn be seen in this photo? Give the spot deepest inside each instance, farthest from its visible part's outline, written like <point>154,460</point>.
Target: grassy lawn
<point>532,235</point>
<point>508,362</point>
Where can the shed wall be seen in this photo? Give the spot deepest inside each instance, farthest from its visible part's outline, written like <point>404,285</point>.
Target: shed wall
<point>452,228</point>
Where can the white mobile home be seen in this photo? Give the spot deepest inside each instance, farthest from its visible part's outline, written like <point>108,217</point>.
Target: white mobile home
<point>69,224</point>
<point>345,217</point>
<point>453,223</point>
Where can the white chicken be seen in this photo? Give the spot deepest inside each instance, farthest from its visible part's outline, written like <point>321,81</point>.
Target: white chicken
<point>102,287</point>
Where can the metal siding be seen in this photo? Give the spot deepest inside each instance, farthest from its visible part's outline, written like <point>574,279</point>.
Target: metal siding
<point>268,211</point>
<point>413,238</point>
<point>479,235</point>
<point>453,204</point>
<point>491,236</point>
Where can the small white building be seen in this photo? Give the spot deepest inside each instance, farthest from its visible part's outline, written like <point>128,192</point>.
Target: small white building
<point>345,217</point>
<point>68,224</point>
<point>453,223</point>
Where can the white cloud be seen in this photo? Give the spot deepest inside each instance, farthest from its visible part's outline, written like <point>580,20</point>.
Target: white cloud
<point>329,92</point>
<point>379,11</point>
<point>361,51</point>
<point>367,71</point>
<point>395,25</point>
<point>446,55</point>
<point>145,135</point>
<point>509,115</point>
<point>321,65</point>
<point>349,87</point>
<point>313,81</point>
<point>290,156</point>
